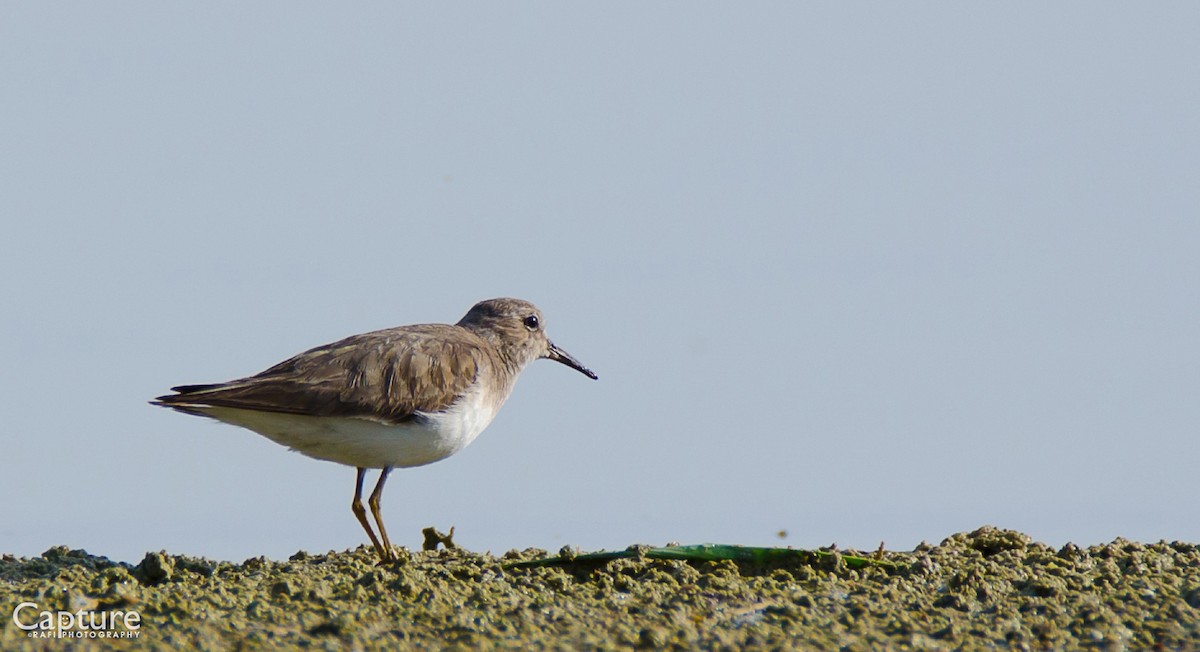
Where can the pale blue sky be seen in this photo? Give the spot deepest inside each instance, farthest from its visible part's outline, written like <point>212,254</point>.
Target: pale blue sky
<point>855,271</point>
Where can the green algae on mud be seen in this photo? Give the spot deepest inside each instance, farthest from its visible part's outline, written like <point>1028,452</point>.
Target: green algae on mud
<point>711,552</point>
<point>984,589</point>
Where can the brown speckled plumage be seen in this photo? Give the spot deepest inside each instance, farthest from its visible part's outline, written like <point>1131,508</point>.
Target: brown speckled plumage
<point>428,389</point>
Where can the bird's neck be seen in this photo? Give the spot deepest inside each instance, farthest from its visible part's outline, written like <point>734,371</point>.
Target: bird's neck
<point>511,363</point>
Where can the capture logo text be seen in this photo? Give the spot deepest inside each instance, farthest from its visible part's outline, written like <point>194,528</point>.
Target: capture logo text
<point>40,623</point>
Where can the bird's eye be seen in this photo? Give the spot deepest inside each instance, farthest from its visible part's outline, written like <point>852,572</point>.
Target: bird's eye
<point>531,322</point>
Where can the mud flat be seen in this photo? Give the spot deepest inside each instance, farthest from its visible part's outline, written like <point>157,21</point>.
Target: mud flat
<point>986,589</point>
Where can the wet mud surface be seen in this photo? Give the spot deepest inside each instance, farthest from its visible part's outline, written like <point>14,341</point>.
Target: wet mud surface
<point>986,589</point>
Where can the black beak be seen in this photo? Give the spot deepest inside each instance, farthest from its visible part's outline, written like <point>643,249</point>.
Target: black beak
<point>558,355</point>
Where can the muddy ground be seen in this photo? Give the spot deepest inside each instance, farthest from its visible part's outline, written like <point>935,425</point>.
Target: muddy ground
<point>986,589</point>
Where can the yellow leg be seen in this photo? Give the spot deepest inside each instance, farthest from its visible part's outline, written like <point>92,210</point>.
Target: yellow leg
<point>373,501</point>
<point>361,514</point>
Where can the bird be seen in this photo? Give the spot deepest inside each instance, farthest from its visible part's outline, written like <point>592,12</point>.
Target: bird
<point>394,398</point>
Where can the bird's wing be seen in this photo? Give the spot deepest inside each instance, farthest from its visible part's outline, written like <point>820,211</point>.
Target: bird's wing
<point>385,375</point>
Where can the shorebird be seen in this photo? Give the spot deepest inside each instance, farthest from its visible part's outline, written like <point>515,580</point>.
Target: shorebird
<point>398,397</point>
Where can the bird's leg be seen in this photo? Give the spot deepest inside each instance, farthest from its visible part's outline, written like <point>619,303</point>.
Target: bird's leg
<point>361,514</point>
<point>373,501</point>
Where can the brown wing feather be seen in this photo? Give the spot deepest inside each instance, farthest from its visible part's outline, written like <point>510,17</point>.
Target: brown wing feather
<point>386,375</point>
